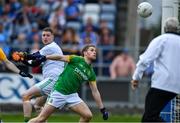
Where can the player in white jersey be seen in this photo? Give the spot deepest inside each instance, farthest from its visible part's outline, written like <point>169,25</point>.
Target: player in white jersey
<point>50,70</point>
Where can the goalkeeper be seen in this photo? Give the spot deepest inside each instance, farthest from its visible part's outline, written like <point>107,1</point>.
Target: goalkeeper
<point>164,53</point>
<point>11,67</point>
<point>77,71</point>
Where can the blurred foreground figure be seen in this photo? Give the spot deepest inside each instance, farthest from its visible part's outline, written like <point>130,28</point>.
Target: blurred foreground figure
<point>164,53</point>
<point>12,67</point>
<point>77,71</point>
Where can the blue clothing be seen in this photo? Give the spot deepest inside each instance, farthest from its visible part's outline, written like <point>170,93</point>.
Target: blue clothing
<point>93,38</point>
<point>71,10</point>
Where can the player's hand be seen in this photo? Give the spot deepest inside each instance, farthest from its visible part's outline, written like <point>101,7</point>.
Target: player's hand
<point>134,84</point>
<point>24,74</point>
<point>105,114</point>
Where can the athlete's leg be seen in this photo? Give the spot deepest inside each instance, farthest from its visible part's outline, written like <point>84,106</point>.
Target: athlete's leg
<point>42,88</point>
<point>39,103</point>
<point>83,110</point>
<point>43,116</point>
<point>26,97</point>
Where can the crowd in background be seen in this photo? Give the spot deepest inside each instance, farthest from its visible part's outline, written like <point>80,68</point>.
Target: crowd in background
<point>74,26</point>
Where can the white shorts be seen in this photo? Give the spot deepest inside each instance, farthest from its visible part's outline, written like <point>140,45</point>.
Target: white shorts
<point>46,85</point>
<point>60,100</point>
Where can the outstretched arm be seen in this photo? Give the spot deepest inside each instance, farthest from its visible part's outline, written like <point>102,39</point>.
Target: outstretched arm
<point>11,66</point>
<point>96,94</point>
<point>65,58</point>
<point>97,98</point>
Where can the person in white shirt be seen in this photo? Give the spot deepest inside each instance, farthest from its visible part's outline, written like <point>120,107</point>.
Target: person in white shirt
<point>164,53</point>
<point>50,70</point>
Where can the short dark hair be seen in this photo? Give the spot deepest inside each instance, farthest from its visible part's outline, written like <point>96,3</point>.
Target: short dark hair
<point>48,29</point>
<point>85,48</point>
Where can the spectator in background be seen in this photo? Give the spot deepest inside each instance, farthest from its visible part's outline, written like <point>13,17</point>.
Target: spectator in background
<point>106,37</point>
<point>89,22</point>
<point>59,15</point>
<point>21,44</point>
<point>42,17</point>
<point>57,22</point>
<point>8,10</point>
<point>72,11</point>
<point>8,25</point>
<point>34,32</point>
<point>122,66</point>
<point>107,41</point>
<point>3,40</point>
<point>70,41</point>
<point>31,10</point>
<point>89,37</point>
<point>15,5</point>
<point>21,24</point>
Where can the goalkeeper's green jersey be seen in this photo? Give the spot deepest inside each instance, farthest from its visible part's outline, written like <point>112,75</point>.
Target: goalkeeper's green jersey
<point>75,73</point>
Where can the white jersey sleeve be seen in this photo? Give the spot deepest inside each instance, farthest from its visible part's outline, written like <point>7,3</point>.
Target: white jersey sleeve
<point>52,68</point>
<point>152,52</point>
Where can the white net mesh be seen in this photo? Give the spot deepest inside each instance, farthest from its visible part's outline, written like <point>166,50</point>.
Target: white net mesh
<point>171,113</point>
<point>175,103</point>
<point>175,110</point>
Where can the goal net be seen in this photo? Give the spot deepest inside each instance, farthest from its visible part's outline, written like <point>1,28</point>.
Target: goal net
<point>171,113</point>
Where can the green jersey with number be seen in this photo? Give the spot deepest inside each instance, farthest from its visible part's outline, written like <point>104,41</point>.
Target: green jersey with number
<point>75,73</point>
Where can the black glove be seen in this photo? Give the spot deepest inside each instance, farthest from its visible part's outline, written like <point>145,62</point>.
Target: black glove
<point>104,113</point>
<point>41,58</point>
<point>32,63</point>
<point>31,56</point>
<point>24,74</point>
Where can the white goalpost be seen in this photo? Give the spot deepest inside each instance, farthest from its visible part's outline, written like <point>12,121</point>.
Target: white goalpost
<point>171,113</point>
<point>170,8</point>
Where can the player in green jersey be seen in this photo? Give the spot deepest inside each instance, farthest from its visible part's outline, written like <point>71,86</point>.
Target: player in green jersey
<point>77,71</point>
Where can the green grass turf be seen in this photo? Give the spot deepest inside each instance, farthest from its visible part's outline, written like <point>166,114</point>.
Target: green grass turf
<point>15,117</point>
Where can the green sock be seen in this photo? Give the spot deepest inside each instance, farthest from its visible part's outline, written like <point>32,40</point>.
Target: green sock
<point>26,119</point>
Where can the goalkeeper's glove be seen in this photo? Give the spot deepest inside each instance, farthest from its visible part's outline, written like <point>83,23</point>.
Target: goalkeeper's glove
<point>18,56</point>
<point>105,114</point>
<point>24,74</point>
<point>22,56</point>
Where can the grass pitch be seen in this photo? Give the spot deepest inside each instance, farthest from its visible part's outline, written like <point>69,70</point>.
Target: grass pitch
<point>14,117</point>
